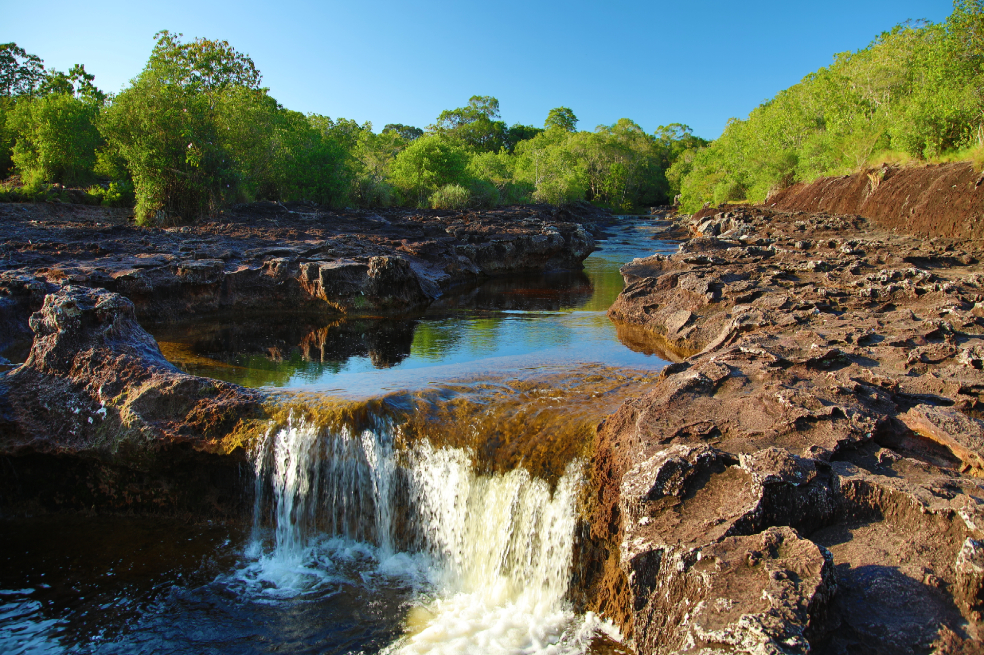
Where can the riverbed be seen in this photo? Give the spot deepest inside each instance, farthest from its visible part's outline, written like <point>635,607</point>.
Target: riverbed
<point>419,494</point>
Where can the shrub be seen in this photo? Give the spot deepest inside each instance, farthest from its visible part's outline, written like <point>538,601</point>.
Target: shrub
<point>483,194</point>
<point>450,196</point>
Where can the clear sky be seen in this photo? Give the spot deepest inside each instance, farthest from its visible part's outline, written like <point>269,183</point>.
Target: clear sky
<point>697,62</point>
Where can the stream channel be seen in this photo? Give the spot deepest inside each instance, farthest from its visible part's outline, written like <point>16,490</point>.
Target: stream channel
<point>419,492</point>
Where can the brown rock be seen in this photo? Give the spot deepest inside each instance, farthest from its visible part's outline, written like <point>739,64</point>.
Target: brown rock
<point>963,436</point>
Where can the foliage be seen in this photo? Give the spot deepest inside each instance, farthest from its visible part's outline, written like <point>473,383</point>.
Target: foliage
<point>561,118</point>
<point>518,133</point>
<point>405,132</point>
<point>56,139</point>
<point>114,194</point>
<point>195,131</point>
<point>47,128</point>
<point>475,127</point>
<point>20,73</point>
<point>915,93</point>
<point>450,196</point>
<point>167,127</point>
<point>427,164</point>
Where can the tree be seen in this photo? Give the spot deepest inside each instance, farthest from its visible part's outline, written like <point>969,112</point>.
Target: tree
<point>518,133</point>
<point>427,164</point>
<point>551,168</point>
<point>53,132</point>
<point>201,65</point>
<point>75,82</point>
<point>561,118</point>
<point>55,139</point>
<point>405,132</point>
<point>476,126</point>
<point>166,126</point>
<point>20,73</point>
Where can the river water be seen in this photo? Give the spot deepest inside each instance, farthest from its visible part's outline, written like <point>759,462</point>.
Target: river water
<point>418,493</point>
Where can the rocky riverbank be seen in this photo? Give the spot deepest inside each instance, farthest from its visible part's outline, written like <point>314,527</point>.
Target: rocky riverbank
<point>268,257</point>
<point>93,416</point>
<point>808,479</point>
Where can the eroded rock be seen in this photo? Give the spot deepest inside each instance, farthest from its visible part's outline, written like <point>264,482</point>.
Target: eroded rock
<point>97,416</point>
<point>830,383</point>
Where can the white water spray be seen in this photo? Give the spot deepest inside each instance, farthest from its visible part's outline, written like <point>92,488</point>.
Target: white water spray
<point>491,554</point>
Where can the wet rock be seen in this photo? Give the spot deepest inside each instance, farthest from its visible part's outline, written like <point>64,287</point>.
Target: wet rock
<point>263,256</point>
<point>96,380</point>
<point>96,401</point>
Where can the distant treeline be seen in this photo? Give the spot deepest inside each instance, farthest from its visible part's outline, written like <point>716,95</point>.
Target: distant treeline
<point>915,94</point>
<point>195,131</point>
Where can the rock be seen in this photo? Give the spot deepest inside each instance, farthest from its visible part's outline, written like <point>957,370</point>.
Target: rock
<point>264,256</point>
<point>834,390</point>
<point>96,400</point>
<point>963,436</point>
<point>96,380</point>
<point>763,593</point>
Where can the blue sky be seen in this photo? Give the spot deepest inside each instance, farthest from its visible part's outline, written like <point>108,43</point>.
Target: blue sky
<point>697,62</point>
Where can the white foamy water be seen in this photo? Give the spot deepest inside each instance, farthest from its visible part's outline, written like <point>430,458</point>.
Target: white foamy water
<point>488,557</point>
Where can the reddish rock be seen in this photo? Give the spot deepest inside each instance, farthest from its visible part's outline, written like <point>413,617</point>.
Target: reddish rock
<point>97,416</point>
<point>297,258</point>
<point>830,382</point>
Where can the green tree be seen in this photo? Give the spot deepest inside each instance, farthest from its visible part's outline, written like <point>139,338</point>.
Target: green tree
<point>551,168</point>
<point>53,132</point>
<point>561,118</point>
<point>917,91</point>
<point>166,126</point>
<point>55,139</point>
<point>476,126</point>
<point>427,164</point>
<point>20,73</point>
<point>518,133</point>
<point>405,132</point>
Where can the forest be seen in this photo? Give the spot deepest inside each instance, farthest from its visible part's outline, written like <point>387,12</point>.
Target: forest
<point>196,131</point>
<point>915,95</point>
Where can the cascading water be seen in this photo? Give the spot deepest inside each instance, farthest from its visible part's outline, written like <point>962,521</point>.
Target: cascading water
<point>436,516</point>
<point>489,555</point>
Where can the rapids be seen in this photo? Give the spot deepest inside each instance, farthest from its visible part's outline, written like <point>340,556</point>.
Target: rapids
<point>419,492</point>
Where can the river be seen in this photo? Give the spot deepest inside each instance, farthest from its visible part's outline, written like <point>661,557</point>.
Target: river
<point>418,493</point>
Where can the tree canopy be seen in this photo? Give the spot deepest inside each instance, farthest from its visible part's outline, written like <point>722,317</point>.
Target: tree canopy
<point>195,131</point>
<point>915,93</point>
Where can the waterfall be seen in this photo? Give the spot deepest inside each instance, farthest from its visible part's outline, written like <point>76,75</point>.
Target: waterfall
<point>490,553</point>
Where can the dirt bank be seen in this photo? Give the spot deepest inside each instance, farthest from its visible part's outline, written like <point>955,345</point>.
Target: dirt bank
<point>809,478</point>
<point>944,200</point>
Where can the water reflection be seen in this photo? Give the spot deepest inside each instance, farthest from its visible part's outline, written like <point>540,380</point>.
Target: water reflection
<point>505,323</point>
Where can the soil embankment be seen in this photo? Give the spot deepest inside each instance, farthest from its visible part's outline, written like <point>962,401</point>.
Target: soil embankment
<point>809,478</point>
<point>945,200</point>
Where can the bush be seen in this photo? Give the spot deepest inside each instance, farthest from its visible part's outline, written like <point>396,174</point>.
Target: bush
<point>56,139</point>
<point>426,166</point>
<point>728,191</point>
<point>483,194</point>
<point>450,196</point>
<point>372,192</point>
<point>115,194</point>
